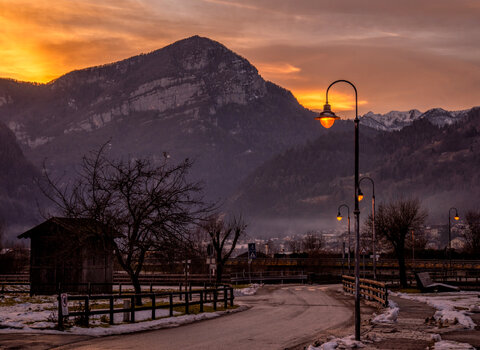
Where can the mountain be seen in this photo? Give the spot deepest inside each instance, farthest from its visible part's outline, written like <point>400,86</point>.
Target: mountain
<point>18,192</point>
<point>395,120</point>
<point>438,164</point>
<point>193,99</point>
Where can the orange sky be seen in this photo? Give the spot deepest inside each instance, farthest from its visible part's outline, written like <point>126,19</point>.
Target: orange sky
<point>400,54</point>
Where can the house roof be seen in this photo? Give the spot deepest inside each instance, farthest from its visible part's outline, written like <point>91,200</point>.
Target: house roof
<point>78,226</point>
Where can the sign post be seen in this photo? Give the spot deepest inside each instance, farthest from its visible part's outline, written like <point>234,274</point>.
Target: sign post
<point>252,254</point>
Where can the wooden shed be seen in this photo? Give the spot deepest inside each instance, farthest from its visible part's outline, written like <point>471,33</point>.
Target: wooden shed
<point>70,254</point>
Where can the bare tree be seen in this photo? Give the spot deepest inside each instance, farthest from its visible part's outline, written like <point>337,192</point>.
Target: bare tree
<point>312,243</point>
<point>141,206</point>
<point>295,244</point>
<point>472,232</point>
<point>394,222</point>
<point>224,237</point>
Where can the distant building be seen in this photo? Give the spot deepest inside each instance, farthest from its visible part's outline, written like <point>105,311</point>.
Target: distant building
<point>69,253</point>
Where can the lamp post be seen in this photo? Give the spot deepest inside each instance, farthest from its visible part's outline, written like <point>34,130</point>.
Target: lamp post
<point>456,217</point>
<point>360,197</point>
<point>339,217</point>
<point>327,118</point>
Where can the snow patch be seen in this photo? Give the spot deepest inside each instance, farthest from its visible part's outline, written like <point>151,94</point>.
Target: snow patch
<point>452,307</point>
<point>347,342</point>
<point>451,345</point>
<point>252,290</point>
<point>390,315</point>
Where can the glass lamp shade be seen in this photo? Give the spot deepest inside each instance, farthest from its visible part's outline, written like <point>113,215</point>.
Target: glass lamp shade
<point>339,217</point>
<point>457,217</point>
<point>360,195</point>
<point>327,117</point>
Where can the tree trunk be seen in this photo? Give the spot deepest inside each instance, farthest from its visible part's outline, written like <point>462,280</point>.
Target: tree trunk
<point>137,287</point>
<point>218,278</point>
<point>401,268</point>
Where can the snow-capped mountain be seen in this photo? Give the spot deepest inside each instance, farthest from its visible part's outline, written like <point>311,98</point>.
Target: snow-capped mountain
<point>396,120</point>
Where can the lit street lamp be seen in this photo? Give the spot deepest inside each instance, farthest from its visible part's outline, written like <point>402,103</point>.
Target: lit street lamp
<point>360,197</point>
<point>327,118</point>
<point>339,218</point>
<point>456,217</point>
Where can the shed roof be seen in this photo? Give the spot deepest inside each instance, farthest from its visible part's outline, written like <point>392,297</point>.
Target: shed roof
<point>78,226</point>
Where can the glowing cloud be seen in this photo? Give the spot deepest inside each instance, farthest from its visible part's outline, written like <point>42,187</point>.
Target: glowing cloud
<point>277,68</point>
<point>315,99</point>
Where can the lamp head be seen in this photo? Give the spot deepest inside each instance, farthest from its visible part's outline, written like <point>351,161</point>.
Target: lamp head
<point>339,216</point>
<point>456,217</point>
<point>360,194</point>
<point>327,117</point>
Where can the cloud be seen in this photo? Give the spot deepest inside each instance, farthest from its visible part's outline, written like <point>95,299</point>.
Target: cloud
<point>401,54</point>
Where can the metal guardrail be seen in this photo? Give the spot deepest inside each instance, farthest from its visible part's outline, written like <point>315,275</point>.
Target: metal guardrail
<point>369,289</point>
<point>190,298</point>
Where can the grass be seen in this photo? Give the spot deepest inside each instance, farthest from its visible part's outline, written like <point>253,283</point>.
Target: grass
<point>241,286</point>
<point>408,290</point>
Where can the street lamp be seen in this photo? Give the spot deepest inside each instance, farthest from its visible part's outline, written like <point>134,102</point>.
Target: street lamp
<point>339,218</point>
<point>456,217</point>
<point>360,197</point>
<point>327,118</point>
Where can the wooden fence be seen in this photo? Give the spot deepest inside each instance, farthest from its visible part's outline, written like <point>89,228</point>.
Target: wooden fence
<point>369,289</point>
<point>212,296</point>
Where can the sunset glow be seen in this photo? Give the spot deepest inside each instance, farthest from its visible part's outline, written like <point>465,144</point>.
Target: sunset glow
<point>316,99</point>
<point>398,58</point>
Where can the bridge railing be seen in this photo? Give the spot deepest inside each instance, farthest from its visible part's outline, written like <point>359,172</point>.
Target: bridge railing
<point>369,289</point>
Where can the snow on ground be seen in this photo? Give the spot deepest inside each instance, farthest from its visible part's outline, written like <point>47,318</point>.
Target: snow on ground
<point>347,342</point>
<point>390,315</point>
<point>452,307</point>
<point>451,345</point>
<point>247,291</point>
<point>21,314</point>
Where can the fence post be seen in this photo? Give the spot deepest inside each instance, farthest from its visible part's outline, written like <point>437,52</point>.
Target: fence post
<point>231,296</point>
<point>180,289</point>
<point>120,288</point>
<point>225,297</point>
<point>170,297</point>
<point>132,309</point>
<point>187,311</point>
<point>89,289</point>
<point>153,306</point>
<point>201,301</point>
<point>215,299</point>
<point>111,309</point>
<point>60,313</point>
<point>151,287</point>
<point>190,288</point>
<point>87,310</point>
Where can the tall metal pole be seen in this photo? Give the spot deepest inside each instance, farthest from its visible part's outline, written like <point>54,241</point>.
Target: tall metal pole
<point>348,232</point>
<point>349,243</point>
<point>374,252</point>
<point>356,211</point>
<point>374,239</point>
<point>449,252</point>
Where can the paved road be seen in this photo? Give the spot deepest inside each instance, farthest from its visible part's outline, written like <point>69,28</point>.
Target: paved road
<point>279,317</point>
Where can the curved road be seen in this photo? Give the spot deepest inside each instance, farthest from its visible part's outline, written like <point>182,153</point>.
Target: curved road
<point>279,317</point>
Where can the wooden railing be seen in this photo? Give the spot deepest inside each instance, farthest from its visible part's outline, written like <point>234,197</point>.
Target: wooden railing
<point>369,289</point>
<point>211,296</point>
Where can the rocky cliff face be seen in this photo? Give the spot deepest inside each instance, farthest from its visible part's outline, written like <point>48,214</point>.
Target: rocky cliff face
<point>19,194</point>
<point>194,98</point>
